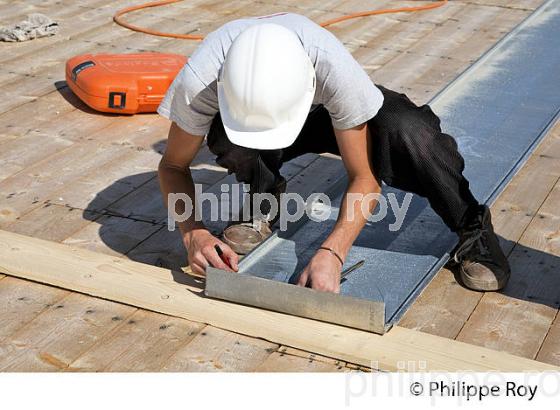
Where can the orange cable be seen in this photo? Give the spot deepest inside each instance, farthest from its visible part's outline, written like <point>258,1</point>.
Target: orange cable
<point>120,21</point>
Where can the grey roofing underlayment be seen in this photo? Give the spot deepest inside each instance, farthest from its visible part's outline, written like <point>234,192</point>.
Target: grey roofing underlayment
<point>498,110</point>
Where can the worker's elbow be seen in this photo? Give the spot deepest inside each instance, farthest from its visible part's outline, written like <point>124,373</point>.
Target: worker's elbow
<point>166,166</point>
<point>162,167</point>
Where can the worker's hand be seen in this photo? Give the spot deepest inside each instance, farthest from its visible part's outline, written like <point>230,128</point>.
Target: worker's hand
<point>202,253</point>
<point>322,273</point>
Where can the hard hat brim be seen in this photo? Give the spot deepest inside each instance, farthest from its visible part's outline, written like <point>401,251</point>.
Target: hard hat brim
<point>276,138</point>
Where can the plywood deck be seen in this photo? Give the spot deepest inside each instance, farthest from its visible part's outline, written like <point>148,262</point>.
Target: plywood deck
<point>70,175</point>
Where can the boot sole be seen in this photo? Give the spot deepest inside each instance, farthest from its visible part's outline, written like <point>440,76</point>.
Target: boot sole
<point>240,249</point>
<point>243,248</point>
<point>482,285</point>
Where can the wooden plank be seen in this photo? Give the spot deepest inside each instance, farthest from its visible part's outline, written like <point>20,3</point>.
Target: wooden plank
<point>518,319</point>
<point>112,235</point>
<point>50,115</point>
<point>447,39</point>
<point>396,32</point>
<point>512,325</point>
<point>175,294</point>
<point>121,192</point>
<point>15,12</point>
<point>164,249</point>
<point>144,204</point>
<point>92,23</point>
<point>215,349</point>
<point>144,342</point>
<point>397,75</point>
<point>442,308</point>
<point>94,191</point>
<point>16,154</point>
<point>486,35</point>
<point>84,200</point>
<point>518,4</point>
<point>550,349</point>
<point>283,362</point>
<point>27,190</point>
<point>518,204</point>
<point>44,181</point>
<point>308,355</point>
<point>56,337</point>
<point>21,301</point>
<point>302,361</point>
<point>52,222</point>
<point>454,60</point>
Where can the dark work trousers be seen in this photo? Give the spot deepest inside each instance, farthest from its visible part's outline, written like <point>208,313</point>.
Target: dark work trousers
<point>410,152</point>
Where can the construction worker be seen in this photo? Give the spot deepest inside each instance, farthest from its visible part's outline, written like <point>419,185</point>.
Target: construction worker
<point>266,90</point>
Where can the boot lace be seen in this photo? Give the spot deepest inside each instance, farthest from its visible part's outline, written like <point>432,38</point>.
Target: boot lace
<point>475,244</point>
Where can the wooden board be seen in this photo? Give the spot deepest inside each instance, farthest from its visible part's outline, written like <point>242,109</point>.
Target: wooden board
<point>61,334</point>
<point>143,342</point>
<point>282,362</point>
<point>52,222</point>
<point>174,294</point>
<point>218,350</point>
<point>21,301</point>
<point>549,352</point>
<point>530,302</point>
<point>295,360</point>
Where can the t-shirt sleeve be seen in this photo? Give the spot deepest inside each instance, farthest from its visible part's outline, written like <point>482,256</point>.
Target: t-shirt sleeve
<point>348,94</point>
<point>190,103</point>
<point>192,99</point>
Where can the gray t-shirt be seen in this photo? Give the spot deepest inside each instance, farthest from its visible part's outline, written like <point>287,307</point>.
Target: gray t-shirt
<point>343,87</point>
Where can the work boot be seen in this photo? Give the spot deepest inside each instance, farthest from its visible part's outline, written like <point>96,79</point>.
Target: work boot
<point>243,237</point>
<point>482,263</point>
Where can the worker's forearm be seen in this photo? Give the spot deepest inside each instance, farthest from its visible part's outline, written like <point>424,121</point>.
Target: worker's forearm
<point>353,214</point>
<point>179,181</point>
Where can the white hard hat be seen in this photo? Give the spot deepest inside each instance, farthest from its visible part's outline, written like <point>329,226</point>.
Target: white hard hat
<point>265,88</point>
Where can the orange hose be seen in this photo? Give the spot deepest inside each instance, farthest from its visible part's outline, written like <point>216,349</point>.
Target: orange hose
<point>120,21</point>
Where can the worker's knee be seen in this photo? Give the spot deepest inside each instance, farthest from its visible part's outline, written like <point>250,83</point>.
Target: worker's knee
<point>418,141</point>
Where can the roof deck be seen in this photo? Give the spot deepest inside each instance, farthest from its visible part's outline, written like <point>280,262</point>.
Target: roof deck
<point>74,176</point>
